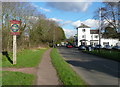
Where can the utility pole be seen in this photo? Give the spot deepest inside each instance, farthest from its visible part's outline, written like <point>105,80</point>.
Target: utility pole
<point>118,17</point>
<point>119,32</point>
<point>100,27</point>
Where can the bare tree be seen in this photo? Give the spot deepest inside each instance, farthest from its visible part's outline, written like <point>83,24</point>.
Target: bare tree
<point>109,14</point>
<point>34,27</point>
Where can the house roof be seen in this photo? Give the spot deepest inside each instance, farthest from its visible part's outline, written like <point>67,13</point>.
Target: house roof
<point>94,31</point>
<point>83,26</point>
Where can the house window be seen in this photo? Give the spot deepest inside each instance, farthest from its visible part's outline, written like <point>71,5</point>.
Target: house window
<point>83,30</point>
<point>105,43</point>
<point>83,36</point>
<point>96,36</point>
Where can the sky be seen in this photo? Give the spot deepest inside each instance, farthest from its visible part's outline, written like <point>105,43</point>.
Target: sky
<point>70,15</point>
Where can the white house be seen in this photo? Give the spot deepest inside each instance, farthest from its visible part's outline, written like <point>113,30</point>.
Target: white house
<point>86,36</point>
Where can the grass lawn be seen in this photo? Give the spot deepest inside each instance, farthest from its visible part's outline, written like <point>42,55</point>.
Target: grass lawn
<point>114,55</point>
<point>16,78</point>
<point>25,58</point>
<point>65,72</point>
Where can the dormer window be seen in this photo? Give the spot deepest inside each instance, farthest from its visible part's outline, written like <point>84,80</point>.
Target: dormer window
<point>83,30</point>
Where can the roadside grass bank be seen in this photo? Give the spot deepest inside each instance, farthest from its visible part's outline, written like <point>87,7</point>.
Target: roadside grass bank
<point>0,59</point>
<point>16,78</point>
<point>65,72</point>
<point>25,58</point>
<point>108,54</point>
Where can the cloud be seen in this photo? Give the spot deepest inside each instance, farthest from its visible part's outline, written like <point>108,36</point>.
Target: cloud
<point>38,7</point>
<point>89,22</point>
<point>59,0</point>
<point>92,23</point>
<point>65,23</point>
<point>76,23</point>
<point>60,21</point>
<point>69,32</point>
<point>70,6</point>
<point>46,10</point>
<point>55,19</point>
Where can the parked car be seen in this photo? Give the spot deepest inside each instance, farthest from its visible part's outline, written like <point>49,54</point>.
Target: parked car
<point>69,45</point>
<point>97,47</point>
<point>107,47</point>
<point>82,47</point>
<point>116,48</point>
<point>89,47</point>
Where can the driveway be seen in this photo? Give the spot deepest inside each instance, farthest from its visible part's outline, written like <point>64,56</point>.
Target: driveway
<point>92,69</point>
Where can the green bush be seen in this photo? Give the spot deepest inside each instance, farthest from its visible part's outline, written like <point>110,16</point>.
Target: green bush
<point>109,54</point>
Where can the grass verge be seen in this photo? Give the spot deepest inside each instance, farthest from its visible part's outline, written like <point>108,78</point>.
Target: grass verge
<point>109,54</point>
<point>65,72</point>
<point>16,78</point>
<point>25,58</point>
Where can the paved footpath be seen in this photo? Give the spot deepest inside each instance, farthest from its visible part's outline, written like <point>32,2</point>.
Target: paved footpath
<point>46,74</point>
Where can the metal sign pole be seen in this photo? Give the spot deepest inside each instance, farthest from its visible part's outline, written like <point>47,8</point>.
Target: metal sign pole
<point>14,49</point>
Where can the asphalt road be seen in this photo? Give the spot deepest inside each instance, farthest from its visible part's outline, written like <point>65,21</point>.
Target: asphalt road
<point>92,69</point>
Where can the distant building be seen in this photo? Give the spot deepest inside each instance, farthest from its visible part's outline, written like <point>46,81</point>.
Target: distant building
<point>87,36</point>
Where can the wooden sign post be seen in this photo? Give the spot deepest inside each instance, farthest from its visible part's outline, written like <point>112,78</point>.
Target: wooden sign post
<point>14,30</point>
<point>14,49</point>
